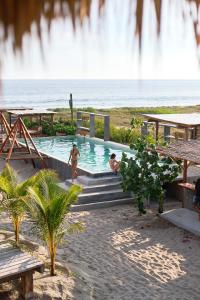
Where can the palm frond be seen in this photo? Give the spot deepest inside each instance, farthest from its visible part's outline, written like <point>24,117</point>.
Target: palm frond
<point>6,187</point>
<point>75,228</point>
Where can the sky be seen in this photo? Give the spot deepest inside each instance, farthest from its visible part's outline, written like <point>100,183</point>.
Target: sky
<point>106,48</point>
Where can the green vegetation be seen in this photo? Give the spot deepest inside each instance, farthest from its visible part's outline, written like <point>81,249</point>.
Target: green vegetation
<point>147,172</point>
<point>119,135</point>
<point>13,192</point>
<point>45,202</point>
<point>59,126</point>
<point>48,205</point>
<point>30,124</point>
<point>123,116</point>
<point>66,128</point>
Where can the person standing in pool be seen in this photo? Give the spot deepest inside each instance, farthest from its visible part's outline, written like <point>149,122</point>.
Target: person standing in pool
<point>74,154</point>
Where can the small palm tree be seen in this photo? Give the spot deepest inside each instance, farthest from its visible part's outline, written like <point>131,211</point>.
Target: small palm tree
<point>48,205</point>
<point>12,194</point>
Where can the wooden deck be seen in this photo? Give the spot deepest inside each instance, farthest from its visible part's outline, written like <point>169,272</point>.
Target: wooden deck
<point>15,263</point>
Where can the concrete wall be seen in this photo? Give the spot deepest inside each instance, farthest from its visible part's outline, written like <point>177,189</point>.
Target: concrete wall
<point>61,167</point>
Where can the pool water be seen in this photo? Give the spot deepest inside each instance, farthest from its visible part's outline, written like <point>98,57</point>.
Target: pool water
<point>94,154</point>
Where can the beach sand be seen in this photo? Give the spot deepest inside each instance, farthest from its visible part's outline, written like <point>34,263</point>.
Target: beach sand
<point>119,256</point>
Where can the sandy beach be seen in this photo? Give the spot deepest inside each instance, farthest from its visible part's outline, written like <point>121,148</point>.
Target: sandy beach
<point>119,256</point>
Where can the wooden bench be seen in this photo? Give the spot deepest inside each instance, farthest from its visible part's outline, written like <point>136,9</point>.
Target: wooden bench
<point>15,263</point>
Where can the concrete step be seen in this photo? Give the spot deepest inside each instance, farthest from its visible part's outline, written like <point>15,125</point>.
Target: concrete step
<point>102,196</point>
<point>94,188</point>
<point>102,204</point>
<point>90,181</point>
<point>102,187</point>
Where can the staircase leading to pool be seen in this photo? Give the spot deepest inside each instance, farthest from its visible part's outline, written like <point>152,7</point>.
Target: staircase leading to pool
<point>99,192</point>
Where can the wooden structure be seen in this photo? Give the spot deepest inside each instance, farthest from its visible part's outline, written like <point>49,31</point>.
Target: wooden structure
<point>17,264</point>
<point>189,153</point>
<point>17,151</point>
<point>5,109</point>
<point>5,128</point>
<point>39,113</point>
<point>186,122</point>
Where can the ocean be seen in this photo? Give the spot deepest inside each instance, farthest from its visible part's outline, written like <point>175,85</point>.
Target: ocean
<point>99,93</point>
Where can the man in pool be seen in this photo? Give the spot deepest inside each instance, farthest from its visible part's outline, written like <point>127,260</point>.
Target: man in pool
<point>114,164</point>
<point>74,154</point>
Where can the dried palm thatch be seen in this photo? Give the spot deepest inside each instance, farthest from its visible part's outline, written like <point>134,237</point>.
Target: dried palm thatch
<point>18,16</point>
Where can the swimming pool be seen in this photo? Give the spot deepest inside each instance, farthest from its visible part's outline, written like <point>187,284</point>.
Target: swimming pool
<point>94,153</point>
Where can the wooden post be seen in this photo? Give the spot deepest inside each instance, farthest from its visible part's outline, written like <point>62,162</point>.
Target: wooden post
<point>10,119</point>
<point>27,285</point>
<point>185,167</point>
<point>33,144</point>
<point>10,135</point>
<point>186,133</point>
<point>12,146</point>
<point>157,129</point>
<point>195,132</point>
<point>26,141</point>
<point>52,120</point>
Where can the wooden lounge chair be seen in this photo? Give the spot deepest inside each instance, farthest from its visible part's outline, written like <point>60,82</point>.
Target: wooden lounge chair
<point>15,263</point>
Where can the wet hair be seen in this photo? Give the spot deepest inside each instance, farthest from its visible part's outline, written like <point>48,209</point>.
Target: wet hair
<point>74,145</point>
<point>113,155</point>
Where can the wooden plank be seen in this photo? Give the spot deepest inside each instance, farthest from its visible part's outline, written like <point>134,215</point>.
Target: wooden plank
<point>14,259</point>
<point>4,245</point>
<point>10,256</point>
<point>7,253</point>
<point>10,268</point>
<point>19,270</point>
<point>33,263</point>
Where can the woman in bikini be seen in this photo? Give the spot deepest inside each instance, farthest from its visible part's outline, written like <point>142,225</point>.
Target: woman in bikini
<point>74,154</point>
<point>114,164</point>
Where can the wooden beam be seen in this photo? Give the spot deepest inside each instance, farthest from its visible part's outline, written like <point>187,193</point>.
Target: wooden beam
<point>195,132</point>
<point>157,129</point>
<point>185,168</point>
<point>52,120</point>
<point>10,135</point>
<point>33,144</point>
<point>26,141</point>
<point>186,133</point>
<point>10,119</point>
<point>12,146</point>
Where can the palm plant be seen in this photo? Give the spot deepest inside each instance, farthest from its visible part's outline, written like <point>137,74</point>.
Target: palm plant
<point>13,192</point>
<point>48,205</point>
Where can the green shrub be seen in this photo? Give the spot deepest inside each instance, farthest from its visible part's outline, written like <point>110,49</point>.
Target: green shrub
<point>30,124</point>
<point>59,127</point>
<point>118,135</point>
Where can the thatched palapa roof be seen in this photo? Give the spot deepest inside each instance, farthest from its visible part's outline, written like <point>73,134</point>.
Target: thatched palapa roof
<point>17,16</point>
